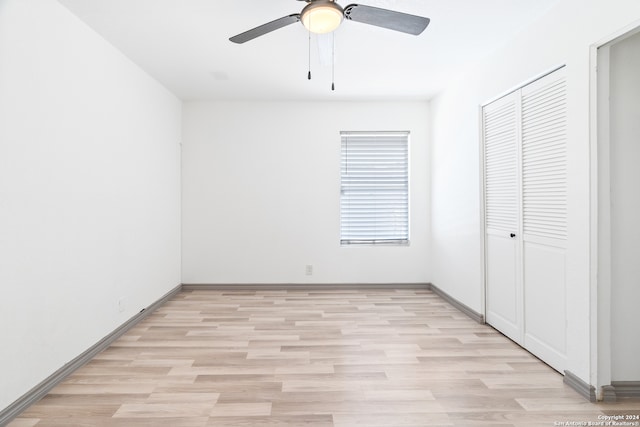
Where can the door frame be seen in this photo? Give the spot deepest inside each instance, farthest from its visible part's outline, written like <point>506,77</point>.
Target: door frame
<point>600,246</point>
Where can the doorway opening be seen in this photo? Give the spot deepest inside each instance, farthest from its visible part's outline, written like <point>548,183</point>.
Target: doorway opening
<point>615,207</point>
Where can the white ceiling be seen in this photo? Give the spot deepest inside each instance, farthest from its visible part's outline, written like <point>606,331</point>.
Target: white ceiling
<point>184,44</point>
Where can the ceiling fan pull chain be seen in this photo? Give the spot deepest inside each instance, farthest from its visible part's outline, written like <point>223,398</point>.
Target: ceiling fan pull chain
<point>333,60</point>
<point>309,74</point>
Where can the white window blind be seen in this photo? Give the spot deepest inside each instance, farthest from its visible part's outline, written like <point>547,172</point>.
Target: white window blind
<point>374,193</point>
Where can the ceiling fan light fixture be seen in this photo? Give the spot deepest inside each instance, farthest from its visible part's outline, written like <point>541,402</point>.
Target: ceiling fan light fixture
<point>322,16</point>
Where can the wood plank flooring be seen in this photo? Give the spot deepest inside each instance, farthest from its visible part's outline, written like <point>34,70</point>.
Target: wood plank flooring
<point>313,358</point>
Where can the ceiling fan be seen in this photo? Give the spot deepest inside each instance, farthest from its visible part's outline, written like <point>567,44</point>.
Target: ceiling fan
<point>324,16</point>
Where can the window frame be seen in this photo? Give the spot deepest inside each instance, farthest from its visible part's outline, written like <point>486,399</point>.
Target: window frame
<point>403,235</point>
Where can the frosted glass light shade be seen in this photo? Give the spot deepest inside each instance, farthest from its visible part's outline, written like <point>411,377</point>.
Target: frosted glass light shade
<point>322,16</point>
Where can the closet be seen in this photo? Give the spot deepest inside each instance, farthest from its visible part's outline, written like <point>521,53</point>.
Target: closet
<point>525,216</point>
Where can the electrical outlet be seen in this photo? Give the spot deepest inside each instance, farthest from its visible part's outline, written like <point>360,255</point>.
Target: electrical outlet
<point>308,270</point>
<point>121,305</point>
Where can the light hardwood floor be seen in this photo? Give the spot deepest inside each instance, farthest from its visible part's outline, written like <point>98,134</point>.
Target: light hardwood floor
<point>313,358</point>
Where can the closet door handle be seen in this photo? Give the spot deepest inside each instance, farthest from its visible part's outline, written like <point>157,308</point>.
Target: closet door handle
<point>512,235</point>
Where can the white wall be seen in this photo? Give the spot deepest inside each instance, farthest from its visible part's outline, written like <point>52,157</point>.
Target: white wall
<point>261,188</point>
<point>89,191</point>
<point>625,208</point>
<point>455,197</point>
<point>563,36</point>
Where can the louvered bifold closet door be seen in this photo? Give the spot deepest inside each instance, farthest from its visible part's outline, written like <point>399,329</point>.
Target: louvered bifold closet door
<point>544,213</point>
<point>502,214</point>
<point>544,160</point>
<point>501,166</point>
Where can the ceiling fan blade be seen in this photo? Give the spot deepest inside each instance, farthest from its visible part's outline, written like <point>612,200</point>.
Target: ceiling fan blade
<point>390,19</point>
<point>265,28</point>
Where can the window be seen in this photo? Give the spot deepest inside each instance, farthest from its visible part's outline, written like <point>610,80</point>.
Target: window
<point>374,188</point>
